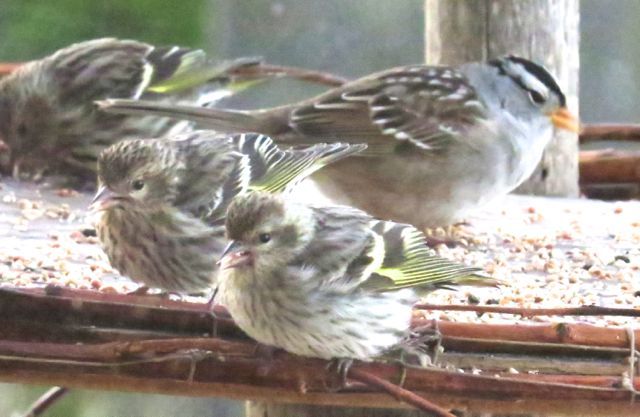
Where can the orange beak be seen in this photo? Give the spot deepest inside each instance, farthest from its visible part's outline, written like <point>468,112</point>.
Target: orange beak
<point>563,119</point>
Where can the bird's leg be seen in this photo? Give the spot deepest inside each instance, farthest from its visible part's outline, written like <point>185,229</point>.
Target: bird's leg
<point>341,367</point>
<point>448,236</point>
<point>38,174</point>
<point>264,352</point>
<point>210,308</point>
<point>15,170</point>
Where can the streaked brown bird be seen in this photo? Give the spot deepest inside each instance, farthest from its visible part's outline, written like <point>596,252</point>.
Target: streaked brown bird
<point>326,282</point>
<point>47,115</point>
<point>162,202</point>
<point>441,140</point>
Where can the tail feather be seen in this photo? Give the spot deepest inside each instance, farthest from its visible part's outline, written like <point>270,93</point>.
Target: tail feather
<point>227,121</point>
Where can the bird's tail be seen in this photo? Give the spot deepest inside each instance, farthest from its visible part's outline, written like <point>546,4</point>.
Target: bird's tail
<point>227,121</point>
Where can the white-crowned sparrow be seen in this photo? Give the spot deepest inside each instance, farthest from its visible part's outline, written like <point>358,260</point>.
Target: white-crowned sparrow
<point>441,140</point>
<point>47,115</point>
<point>328,282</point>
<point>162,201</point>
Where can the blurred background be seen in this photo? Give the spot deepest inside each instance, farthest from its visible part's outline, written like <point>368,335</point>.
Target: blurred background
<point>348,38</point>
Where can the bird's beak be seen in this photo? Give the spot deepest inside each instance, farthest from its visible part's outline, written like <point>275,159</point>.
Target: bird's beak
<point>235,256</point>
<point>103,199</point>
<point>563,119</point>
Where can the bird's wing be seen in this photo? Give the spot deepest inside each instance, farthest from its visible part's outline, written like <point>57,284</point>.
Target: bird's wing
<point>342,251</point>
<point>113,68</point>
<point>275,170</point>
<point>421,105</point>
<point>208,161</point>
<point>260,165</point>
<point>350,251</point>
<point>101,68</point>
<point>192,71</point>
<point>408,262</point>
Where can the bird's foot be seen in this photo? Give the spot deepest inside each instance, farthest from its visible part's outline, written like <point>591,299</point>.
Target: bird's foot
<point>264,352</point>
<point>422,347</point>
<point>450,236</point>
<point>338,367</point>
<point>433,241</point>
<point>144,291</point>
<point>141,290</point>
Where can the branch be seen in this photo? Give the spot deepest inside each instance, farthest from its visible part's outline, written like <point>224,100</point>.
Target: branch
<point>609,166</point>
<point>399,393</point>
<point>557,333</point>
<point>588,310</point>
<point>224,367</point>
<point>609,131</point>
<point>313,76</point>
<point>87,339</point>
<point>46,401</point>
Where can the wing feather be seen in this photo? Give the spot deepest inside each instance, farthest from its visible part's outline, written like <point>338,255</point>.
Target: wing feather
<point>408,262</point>
<point>418,104</point>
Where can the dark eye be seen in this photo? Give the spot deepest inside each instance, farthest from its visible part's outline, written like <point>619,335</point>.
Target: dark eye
<point>22,129</point>
<point>264,237</point>
<point>536,97</point>
<point>137,185</point>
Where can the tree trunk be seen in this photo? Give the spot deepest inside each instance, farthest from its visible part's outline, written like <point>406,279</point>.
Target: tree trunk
<point>545,31</point>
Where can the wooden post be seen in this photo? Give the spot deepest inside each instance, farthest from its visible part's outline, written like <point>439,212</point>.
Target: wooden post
<point>545,31</point>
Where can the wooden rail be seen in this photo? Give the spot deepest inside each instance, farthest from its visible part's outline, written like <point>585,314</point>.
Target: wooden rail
<point>87,339</point>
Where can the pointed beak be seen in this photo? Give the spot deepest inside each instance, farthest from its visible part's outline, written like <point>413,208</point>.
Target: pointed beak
<point>563,119</point>
<point>103,199</point>
<point>235,256</point>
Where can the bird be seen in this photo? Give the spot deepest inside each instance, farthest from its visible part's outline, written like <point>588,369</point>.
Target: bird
<point>442,140</point>
<point>161,202</point>
<point>47,116</point>
<point>328,282</point>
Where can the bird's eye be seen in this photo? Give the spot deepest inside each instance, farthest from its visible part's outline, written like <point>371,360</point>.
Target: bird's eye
<point>137,185</point>
<point>264,237</point>
<point>537,98</point>
<point>22,129</point>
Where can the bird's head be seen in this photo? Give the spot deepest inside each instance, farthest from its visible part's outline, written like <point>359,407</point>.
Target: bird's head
<point>530,91</point>
<point>140,173</point>
<point>27,125</point>
<point>264,232</point>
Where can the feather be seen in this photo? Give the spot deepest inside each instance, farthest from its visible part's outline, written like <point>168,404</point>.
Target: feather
<point>192,73</point>
<point>408,262</point>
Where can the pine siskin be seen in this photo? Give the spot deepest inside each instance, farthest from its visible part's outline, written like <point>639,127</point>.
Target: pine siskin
<point>162,201</point>
<point>47,113</point>
<point>441,140</point>
<point>327,282</point>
